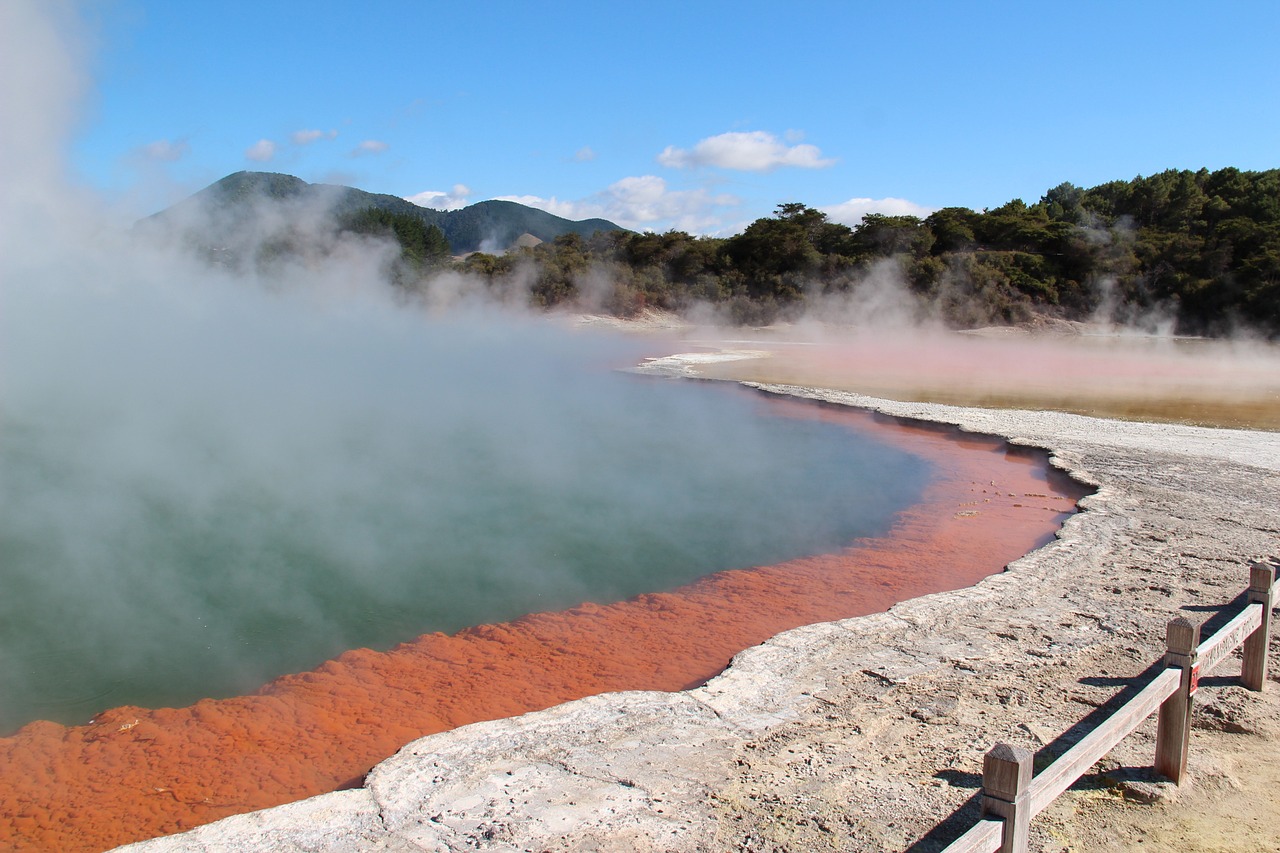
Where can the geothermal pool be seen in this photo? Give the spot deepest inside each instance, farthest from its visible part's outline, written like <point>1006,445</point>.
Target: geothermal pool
<point>173,596</point>
<point>134,773</point>
<point>191,509</point>
<point>168,539</point>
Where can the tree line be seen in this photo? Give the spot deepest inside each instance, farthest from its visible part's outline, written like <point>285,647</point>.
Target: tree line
<point>1201,250</point>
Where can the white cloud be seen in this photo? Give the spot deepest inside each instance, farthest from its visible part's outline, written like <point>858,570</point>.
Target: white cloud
<point>643,202</point>
<point>262,151</point>
<point>584,154</point>
<point>751,151</point>
<point>852,211</point>
<point>306,137</point>
<point>646,200</point>
<point>369,146</point>
<point>440,200</point>
<point>162,150</point>
<point>567,209</point>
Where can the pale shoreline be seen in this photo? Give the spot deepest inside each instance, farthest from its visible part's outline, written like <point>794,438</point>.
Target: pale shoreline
<point>861,734</point>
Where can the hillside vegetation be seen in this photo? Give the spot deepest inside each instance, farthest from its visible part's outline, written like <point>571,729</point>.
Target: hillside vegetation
<point>1191,252</point>
<point>1182,251</point>
<point>246,210</point>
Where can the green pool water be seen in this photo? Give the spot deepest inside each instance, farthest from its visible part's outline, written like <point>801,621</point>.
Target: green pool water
<point>198,509</point>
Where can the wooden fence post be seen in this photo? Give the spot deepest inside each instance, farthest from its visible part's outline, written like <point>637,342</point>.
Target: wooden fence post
<point>1006,776</point>
<point>1262,577</point>
<point>1173,731</point>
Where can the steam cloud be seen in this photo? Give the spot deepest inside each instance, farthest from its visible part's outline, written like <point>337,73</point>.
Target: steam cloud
<point>198,464</point>
<point>201,468</point>
<point>175,438</point>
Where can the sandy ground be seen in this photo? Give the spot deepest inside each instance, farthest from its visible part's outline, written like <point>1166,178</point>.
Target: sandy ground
<point>1232,795</point>
<point>868,734</point>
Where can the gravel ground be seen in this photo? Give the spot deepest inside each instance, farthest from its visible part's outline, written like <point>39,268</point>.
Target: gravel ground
<point>868,734</point>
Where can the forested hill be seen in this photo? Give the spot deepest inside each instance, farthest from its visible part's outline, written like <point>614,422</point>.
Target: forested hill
<point>1189,252</point>
<point>246,200</point>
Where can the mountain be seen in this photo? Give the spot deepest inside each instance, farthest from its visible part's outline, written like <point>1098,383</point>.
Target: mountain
<point>228,210</point>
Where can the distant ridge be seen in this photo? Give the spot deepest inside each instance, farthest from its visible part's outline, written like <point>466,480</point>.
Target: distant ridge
<point>226,206</point>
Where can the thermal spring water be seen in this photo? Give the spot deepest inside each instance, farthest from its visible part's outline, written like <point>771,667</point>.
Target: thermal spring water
<point>198,499</point>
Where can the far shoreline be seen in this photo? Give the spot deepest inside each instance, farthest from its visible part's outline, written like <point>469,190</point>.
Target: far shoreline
<point>1093,370</point>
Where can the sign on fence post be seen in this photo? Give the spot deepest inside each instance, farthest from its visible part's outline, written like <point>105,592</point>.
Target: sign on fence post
<point>1173,731</point>
<point>1253,674</point>
<point>1006,776</point>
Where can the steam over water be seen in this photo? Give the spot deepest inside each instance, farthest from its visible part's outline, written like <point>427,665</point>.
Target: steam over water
<point>202,489</point>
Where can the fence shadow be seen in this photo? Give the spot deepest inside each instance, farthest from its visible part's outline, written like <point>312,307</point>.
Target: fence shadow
<point>954,826</point>
<point>964,817</point>
<point>1018,784</point>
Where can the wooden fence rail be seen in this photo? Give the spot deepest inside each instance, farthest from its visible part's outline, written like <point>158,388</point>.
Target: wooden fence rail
<point>1012,796</point>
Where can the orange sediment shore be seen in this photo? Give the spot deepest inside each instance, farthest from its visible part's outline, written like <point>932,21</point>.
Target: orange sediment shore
<point>135,773</point>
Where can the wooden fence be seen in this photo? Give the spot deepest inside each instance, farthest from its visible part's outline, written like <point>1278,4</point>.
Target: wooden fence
<point>1012,796</point>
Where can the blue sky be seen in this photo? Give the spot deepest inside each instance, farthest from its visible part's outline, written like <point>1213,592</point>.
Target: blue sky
<point>696,115</point>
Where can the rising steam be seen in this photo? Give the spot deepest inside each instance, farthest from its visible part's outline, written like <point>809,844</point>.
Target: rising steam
<point>212,477</point>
